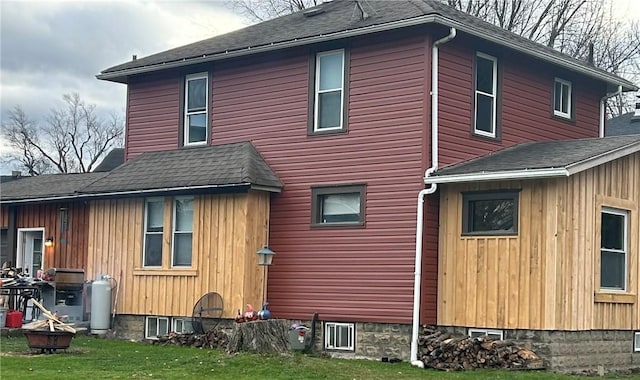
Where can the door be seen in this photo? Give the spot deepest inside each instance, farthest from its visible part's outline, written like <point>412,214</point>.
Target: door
<point>30,250</point>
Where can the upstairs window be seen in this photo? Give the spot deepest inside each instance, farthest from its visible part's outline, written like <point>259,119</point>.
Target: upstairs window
<point>490,213</point>
<point>613,249</point>
<point>338,205</point>
<point>195,109</point>
<point>329,93</point>
<point>486,94</point>
<point>562,98</point>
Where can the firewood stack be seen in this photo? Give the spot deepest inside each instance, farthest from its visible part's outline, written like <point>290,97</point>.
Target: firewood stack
<point>52,323</point>
<point>445,351</point>
<point>217,339</point>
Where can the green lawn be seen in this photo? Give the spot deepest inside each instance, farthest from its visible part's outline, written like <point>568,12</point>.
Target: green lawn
<point>93,358</point>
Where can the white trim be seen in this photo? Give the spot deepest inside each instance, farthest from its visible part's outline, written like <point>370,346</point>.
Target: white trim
<point>563,83</point>
<point>174,232</point>
<point>566,62</point>
<point>185,322</point>
<point>498,176</point>
<point>486,332</point>
<point>350,346</point>
<point>603,158</point>
<point>185,136</point>
<point>493,96</point>
<point>20,246</point>
<point>317,91</point>
<point>636,341</point>
<point>625,249</point>
<point>158,332</point>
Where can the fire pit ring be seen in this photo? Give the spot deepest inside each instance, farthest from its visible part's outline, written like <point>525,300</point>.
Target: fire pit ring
<point>48,341</point>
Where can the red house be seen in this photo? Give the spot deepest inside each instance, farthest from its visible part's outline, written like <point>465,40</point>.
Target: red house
<point>356,107</point>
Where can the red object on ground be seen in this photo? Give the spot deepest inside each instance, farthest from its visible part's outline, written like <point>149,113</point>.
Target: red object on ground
<point>14,319</point>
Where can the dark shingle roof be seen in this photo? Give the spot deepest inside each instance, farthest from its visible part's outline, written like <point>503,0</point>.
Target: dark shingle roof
<point>527,157</point>
<point>46,186</point>
<point>201,167</point>
<point>112,160</point>
<point>623,125</point>
<point>339,19</point>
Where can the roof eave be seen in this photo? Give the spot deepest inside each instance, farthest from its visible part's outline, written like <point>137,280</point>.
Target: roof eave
<point>498,176</point>
<point>603,158</point>
<point>122,75</point>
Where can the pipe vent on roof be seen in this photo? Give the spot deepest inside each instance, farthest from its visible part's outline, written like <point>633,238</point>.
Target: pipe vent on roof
<point>134,57</point>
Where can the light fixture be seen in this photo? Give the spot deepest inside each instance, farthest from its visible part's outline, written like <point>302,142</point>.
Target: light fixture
<point>265,256</point>
<point>48,242</point>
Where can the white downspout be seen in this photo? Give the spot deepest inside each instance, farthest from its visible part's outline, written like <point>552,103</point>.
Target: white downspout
<point>430,190</point>
<point>602,110</point>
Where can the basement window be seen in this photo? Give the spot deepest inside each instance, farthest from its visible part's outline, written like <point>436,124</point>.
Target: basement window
<point>156,327</point>
<point>636,341</point>
<point>486,333</point>
<point>339,336</point>
<point>182,326</point>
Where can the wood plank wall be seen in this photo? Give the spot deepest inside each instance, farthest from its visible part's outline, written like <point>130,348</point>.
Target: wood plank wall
<point>228,230</point>
<point>69,246</point>
<point>547,275</point>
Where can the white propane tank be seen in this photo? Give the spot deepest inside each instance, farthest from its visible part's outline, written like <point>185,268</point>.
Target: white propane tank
<point>100,305</point>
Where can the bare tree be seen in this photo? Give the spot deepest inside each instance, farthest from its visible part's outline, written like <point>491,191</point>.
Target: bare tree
<point>261,10</point>
<point>73,139</point>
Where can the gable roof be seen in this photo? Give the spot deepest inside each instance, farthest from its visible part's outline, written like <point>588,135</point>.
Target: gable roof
<point>623,125</point>
<point>50,186</point>
<point>539,160</point>
<point>340,19</point>
<point>218,168</point>
<point>112,160</point>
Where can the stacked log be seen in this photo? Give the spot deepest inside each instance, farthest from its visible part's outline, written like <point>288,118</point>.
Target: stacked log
<point>441,350</point>
<point>214,339</point>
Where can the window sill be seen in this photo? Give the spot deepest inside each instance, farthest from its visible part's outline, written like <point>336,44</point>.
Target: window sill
<point>165,272</point>
<point>615,298</point>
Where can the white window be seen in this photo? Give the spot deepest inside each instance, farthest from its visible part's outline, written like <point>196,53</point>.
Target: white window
<point>562,98</point>
<point>329,91</point>
<point>196,95</point>
<point>153,221</point>
<point>339,336</point>
<point>486,91</point>
<point>156,327</point>
<point>182,231</point>
<point>482,333</point>
<point>182,325</point>
<point>613,249</point>
<point>636,341</point>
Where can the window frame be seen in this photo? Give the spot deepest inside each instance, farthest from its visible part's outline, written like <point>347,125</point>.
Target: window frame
<point>471,196</point>
<point>187,113</point>
<point>316,206</point>
<point>494,122</point>
<point>145,232</point>
<point>185,322</point>
<point>626,215</point>
<point>174,223</point>
<point>351,336</point>
<point>559,113</point>
<point>147,319</point>
<point>314,83</point>
<point>636,341</point>
<point>476,332</point>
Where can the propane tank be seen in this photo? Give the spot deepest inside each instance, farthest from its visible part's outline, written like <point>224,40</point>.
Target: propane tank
<point>100,304</point>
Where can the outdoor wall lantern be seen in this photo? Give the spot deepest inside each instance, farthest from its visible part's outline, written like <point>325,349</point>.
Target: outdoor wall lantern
<point>265,256</point>
<point>48,242</point>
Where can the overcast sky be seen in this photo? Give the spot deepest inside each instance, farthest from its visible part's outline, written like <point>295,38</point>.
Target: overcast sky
<point>51,48</point>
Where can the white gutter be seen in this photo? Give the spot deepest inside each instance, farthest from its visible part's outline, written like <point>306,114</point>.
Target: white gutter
<point>602,110</point>
<point>417,281</point>
<point>498,176</point>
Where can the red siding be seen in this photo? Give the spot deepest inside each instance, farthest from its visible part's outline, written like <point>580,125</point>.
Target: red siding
<point>70,247</point>
<point>359,274</point>
<point>526,94</point>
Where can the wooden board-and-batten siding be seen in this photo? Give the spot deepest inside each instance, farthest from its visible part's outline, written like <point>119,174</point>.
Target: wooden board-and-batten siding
<point>69,236</point>
<point>547,276</point>
<point>228,230</point>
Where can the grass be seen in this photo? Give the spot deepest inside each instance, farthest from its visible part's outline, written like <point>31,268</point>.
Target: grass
<point>96,358</point>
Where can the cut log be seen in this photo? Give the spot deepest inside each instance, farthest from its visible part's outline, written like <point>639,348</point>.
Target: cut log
<point>270,336</point>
